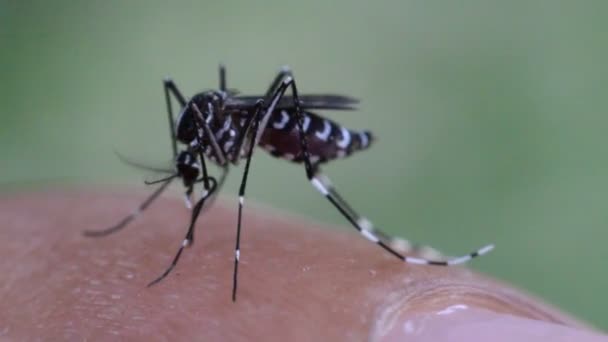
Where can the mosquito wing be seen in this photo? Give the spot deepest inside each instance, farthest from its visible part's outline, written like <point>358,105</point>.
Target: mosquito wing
<point>311,101</point>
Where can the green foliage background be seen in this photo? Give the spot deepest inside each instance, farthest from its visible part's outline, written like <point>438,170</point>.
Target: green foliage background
<point>491,116</point>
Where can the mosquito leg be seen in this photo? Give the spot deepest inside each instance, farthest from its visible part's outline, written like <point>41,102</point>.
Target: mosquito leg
<point>123,223</point>
<point>258,123</point>
<point>316,181</point>
<point>283,72</point>
<point>170,88</point>
<point>398,243</point>
<point>203,127</point>
<point>237,249</point>
<point>189,235</point>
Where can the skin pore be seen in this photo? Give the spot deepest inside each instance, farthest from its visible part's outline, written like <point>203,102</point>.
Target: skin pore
<point>298,281</point>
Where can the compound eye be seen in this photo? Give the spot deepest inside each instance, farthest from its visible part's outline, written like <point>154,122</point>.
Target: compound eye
<point>186,129</point>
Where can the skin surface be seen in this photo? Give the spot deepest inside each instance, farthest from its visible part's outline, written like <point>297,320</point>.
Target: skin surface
<point>298,281</point>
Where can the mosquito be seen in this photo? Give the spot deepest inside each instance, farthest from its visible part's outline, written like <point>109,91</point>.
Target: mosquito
<point>223,127</point>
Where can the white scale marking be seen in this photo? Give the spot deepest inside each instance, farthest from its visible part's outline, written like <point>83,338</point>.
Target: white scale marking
<point>369,235</point>
<point>416,261</point>
<point>319,186</point>
<point>188,203</point>
<point>284,120</point>
<point>210,114</point>
<point>228,145</point>
<point>465,258</point>
<point>324,135</point>
<point>185,243</point>
<point>325,180</point>
<point>306,123</point>
<point>460,260</point>
<point>241,200</point>
<point>345,141</point>
<point>237,254</point>
<point>365,224</point>
<point>364,140</point>
<point>225,128</point>
<point>485,249</point>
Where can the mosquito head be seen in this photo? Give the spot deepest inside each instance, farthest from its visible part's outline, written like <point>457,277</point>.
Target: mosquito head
<point>187,167</point>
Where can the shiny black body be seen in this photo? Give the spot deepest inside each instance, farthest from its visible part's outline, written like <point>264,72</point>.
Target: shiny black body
<point>327,140</point>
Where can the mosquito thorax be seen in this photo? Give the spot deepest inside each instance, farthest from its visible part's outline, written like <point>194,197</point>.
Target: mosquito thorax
<point>187,167</point>
<point>186,129</point>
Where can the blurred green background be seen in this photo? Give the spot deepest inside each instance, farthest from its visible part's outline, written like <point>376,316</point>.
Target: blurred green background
<point>490,115</point>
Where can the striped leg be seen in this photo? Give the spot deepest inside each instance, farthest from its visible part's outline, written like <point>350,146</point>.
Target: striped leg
<point>397,243</point>
<point>211,187</point>
<point>257,125</point>
<point>331,196</point>
<point>237,249</point>
<point>365,227</point>
<point>190,234</point>
<point>209,195</point>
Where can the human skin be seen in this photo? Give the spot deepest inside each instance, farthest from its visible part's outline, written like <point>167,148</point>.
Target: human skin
<point>298,280</point>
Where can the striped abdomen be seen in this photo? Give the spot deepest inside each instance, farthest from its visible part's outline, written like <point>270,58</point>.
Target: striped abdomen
<point>326,139</point>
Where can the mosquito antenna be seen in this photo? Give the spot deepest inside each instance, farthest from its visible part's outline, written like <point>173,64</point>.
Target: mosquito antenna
<point>140,166</point>
<point>123,223</point>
